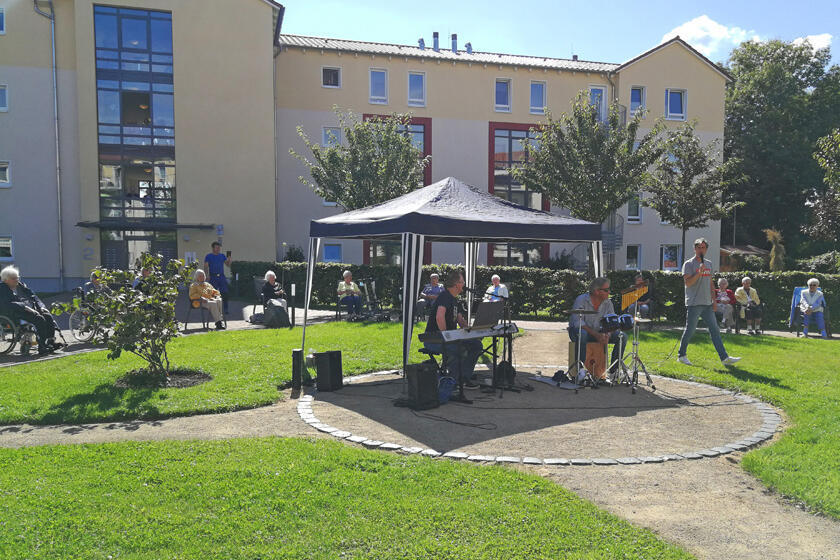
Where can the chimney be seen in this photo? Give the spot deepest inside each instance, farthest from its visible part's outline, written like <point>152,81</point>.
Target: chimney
<point>574,57</point>
<point>468,46</point>
<point>421,43</point>
<point>435,41</point>
<point>455,43</point>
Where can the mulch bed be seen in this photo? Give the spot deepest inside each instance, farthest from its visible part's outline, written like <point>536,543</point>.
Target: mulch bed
<point>178,379</point>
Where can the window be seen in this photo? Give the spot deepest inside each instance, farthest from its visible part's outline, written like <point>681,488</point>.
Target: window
<point>378,86</point>
<point>5,174</point>
<point>503,95</point>
<point>669,257</point>
<point>2,22</point>
<point>330,77</point>
<point>6,253</point>
<point>637,99</point>
<point>417,89</point>
<point>634,209</point>
<point>4,98</point>
<point>675,104</point>
<point>332,253</point>
<point>598,98</point>
<point>331,136</point>
<point>634,257</point>
<point>538,98</point>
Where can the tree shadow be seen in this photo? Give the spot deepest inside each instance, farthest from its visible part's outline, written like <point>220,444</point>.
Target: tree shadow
<point>105,402</point>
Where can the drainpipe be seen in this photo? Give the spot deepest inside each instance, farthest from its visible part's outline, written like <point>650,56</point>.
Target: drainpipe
<point>51,16</point>
<point>277,50</point>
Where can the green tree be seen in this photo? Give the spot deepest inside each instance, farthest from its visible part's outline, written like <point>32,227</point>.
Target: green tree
<point>374,162</point>
<point>782,100</point>
<point>687,182</point>
<point>141,322</point>
<point>588,166</point>
<point>825,204</point>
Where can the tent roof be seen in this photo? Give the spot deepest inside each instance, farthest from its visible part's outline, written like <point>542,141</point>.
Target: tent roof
<point>451,210</point>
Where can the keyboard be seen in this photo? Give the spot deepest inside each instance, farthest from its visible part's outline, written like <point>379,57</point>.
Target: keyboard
<point>456,335</point>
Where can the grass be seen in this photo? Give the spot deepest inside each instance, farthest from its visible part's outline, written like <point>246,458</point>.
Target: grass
<point>292,498</point>
<point>247,368</point>
<point>800,376</point>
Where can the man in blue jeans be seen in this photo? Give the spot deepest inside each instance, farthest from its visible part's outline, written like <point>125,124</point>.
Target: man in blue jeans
<point>699,287</point>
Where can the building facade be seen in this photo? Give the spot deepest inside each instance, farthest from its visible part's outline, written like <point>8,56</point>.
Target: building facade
<point>175,122</point>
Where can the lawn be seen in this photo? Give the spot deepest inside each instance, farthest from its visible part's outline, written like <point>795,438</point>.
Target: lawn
<point>800,376</point>
<point>292,498</point>
<point>247,368</point>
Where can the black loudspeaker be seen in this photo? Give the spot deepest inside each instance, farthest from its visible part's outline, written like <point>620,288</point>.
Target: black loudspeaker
<point>328,366</point>
<point>297,368</point>
<point>422,380</point>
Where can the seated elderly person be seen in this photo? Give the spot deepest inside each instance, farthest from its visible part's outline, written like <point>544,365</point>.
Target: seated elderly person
<point>429,294</point>
<point>141,282</point>
<point>725,304</point>
<point>19,303</point>
<point>597,299</point>
<point>812,304</point>
<point>747,297</point>
<point>644,302</point>
<point>209,297</point>
<point>350,294</point>
<point>95,286</point>
<point>272,291</point>
<point>497,291</point>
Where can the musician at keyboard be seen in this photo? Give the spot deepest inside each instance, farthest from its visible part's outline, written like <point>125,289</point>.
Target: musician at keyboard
<point>444,316</point>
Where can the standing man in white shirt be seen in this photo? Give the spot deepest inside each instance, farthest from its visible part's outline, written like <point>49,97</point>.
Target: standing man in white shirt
<point>699,287</point>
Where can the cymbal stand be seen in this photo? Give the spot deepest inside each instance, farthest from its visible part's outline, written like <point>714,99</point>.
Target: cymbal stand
<point>636,363</point>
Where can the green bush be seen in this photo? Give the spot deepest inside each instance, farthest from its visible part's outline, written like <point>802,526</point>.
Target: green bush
<point>827,263</point>
<point>541,292</point>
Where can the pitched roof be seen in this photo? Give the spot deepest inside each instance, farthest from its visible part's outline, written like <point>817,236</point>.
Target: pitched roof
<point>679,41</point>
<point>302,41</point>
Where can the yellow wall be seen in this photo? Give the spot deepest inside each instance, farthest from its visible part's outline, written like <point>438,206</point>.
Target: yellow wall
<point>462,91</point>
<point>676,67</point>
<point>224,129</point>
<point>27,38</point>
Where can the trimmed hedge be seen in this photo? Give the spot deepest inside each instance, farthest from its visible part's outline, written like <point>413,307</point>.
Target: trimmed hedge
<point>538,292</point>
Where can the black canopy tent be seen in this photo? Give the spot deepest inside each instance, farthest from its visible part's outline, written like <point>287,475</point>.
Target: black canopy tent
<point>449,211</point>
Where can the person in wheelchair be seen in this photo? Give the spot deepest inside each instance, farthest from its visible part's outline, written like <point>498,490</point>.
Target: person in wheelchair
<point>812,305</point>
<point>19,303</point>
<point>725,304</point>
<point>95,286</point>
<point>747,297</point>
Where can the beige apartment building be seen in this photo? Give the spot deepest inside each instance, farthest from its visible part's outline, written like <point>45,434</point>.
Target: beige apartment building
<point>174,123</point>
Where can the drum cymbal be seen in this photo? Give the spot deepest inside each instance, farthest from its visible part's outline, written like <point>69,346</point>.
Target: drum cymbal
<point>584,312</point>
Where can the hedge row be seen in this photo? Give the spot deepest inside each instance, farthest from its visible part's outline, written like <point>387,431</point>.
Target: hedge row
<point>539,291</point>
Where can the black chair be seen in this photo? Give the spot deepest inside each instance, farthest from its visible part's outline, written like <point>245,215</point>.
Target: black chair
<point>739,320</point>
<point>258,295</point>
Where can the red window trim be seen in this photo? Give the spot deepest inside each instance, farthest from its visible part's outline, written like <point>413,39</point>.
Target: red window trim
<point>427,178</point>
<point>491,176</point>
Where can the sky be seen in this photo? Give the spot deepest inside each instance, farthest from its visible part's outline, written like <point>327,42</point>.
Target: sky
<point>605,31</point>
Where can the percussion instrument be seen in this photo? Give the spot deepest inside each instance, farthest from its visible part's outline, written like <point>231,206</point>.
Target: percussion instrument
<point>632,294</point>
<point>596,359</point>
<point>610,323</point>
<point>625,322</point>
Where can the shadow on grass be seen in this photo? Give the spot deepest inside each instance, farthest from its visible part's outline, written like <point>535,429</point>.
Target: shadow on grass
<point>744,375</point>
<point>105,402</point>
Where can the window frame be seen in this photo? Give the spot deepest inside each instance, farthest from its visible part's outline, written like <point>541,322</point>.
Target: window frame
<point>678,267</point>
<point>533,109</point>
<point>324,129</point>
<point>377,100</point>
<point>604,109</point>
<point>3,19</point>
<point>638,257</point>
<point>7,184</point>
<point>415,102</point>
<point>643,103</point>
<point>11,239</point>
<point>676,116</point>
<point>323,85</point>
<point>5,108</point>
<point>503,108</point>
<point>340,253</point>
<point>635,219</point>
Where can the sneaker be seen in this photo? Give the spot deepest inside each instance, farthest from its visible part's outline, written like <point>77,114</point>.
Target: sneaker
<point>729,360</point>
<point>684,360</point>
<point>750,332</point>
<point>219,326</point>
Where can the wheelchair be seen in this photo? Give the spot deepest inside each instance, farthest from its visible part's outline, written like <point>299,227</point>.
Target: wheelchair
<point>17,332</point>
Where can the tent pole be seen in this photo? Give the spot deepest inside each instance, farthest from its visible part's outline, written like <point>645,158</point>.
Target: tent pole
<point>314,246</point>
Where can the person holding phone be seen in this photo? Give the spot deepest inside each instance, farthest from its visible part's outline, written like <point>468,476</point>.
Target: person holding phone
<point>214,266</point>
<point>699,287</point>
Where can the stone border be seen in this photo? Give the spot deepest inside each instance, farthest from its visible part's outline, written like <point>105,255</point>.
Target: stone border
<point>770,416</point>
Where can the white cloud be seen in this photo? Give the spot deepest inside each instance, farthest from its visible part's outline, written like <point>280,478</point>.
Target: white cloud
<point>820,41</point>
<point>710,37</point>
